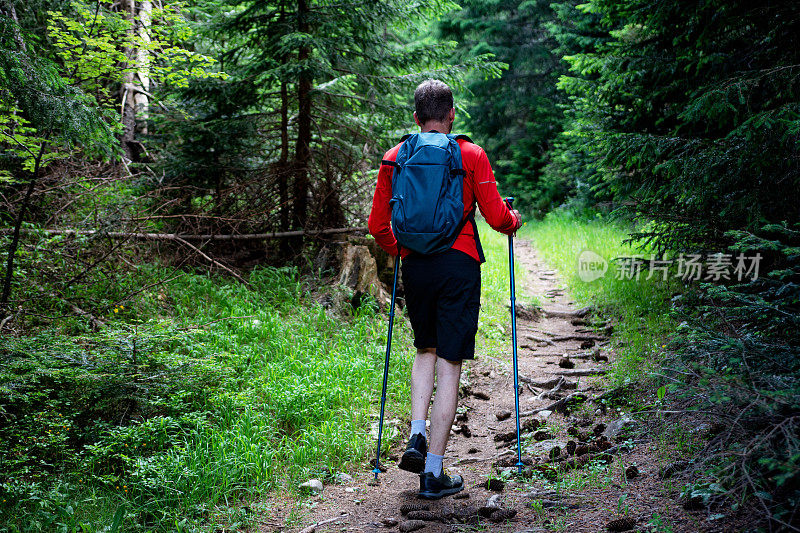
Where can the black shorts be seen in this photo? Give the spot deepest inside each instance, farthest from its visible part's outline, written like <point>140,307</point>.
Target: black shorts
<point>443,298</point>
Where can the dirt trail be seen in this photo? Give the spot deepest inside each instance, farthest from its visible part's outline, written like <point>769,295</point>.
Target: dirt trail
<point>543,340</point>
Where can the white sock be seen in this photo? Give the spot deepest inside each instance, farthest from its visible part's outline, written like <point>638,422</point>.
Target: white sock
<point>433,464</point>
<point>418,426</point>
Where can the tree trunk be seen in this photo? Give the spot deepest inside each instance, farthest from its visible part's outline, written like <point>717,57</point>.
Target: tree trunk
<point>14,244</point>
<point>284,171</point>
<point>302,150</point>
<point>141,100</point>
<point>128,95</point>
<point>283,163</point>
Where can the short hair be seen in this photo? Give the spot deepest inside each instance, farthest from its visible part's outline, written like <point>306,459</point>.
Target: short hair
<point>433,100</point>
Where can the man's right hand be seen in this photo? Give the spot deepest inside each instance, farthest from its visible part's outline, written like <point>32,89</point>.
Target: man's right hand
<point>518,219</point>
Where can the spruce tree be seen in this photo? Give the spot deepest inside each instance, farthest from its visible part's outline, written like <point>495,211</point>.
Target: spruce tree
<point>517,116</point>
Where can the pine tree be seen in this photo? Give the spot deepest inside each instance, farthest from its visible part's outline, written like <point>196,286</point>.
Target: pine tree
<point>328,88</point>
<point>516,117</point>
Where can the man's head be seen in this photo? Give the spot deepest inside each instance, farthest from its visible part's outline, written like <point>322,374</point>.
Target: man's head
<point>433,103</point>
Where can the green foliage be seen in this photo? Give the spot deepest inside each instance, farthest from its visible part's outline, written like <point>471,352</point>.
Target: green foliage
<point>241,391</point>
<point>360,62</point>
<point>516,117</point>
<point>38,106</point>
<point>92,43</point>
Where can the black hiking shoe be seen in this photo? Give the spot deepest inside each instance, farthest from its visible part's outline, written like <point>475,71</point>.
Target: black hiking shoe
<point>432,487</point>
<point>413,460</point>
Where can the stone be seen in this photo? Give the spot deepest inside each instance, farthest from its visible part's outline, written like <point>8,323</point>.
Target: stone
<point>312,486</point>
<point>389,522</point>
<point>493,501</point>
<point>343,477</point>
<point>566,362</point>
<point>503,415</point>
<point>616,427</point>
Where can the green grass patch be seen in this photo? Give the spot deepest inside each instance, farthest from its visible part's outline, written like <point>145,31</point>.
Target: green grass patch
<point>494,323</point>
<point>182,420</point>
<point>640,309</point>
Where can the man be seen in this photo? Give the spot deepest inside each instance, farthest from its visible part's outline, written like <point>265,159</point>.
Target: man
<point>442,293</point>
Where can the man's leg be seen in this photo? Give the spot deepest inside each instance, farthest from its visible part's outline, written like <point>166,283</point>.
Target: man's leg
<point>448,374</point>
<point>422,378</point>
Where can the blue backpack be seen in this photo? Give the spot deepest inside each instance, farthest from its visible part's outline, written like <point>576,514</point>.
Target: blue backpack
<point>427,192</point>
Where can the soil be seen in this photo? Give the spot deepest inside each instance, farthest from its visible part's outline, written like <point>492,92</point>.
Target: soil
<point>473,450</point>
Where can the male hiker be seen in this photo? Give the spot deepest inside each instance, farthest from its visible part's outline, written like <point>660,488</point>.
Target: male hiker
<point>442,290</point>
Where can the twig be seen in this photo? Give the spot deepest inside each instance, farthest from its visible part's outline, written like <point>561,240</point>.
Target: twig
<point>212,260</point>
<point>578,338</point>
<point>540,339</point>
<point>313,527</point>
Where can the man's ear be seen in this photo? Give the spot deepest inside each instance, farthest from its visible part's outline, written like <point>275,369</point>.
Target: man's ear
<point>451,116</point>
<point>416,119</point>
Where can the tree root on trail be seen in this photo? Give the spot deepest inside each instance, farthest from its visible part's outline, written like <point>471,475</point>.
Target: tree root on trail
<point>560,405</point>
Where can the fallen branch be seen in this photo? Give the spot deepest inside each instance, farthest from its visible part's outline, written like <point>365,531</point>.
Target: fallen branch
<point>549,394</point>
<point>548,384</point>
<point>559,405</point>
<point>586,355</point>
<point>540,339</point>
<point>579,313</point>
<point>177,237</point>
<point>313,527</point>
<point>582,372</point>
<point>578,338</point>
<point>212,260</point>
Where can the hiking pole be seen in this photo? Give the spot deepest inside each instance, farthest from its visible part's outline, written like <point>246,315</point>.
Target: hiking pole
<point>510,202</point>
<point>377,468</point>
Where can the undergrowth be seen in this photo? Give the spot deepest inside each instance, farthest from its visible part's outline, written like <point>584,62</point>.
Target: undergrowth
<point>197,397</point>
<point>713,368</point>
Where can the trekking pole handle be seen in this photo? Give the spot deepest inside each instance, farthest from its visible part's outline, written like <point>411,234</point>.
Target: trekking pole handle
<point>509,200</point>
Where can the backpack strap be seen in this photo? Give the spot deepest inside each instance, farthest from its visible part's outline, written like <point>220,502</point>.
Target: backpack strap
<point>465,138</point>
<point>470,218</point>
<point>390,163</point>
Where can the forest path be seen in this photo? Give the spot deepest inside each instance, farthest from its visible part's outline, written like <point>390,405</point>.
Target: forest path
<point>585,500</point>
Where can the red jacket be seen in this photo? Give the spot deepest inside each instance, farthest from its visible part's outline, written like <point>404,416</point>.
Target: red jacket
<point>479,187</point>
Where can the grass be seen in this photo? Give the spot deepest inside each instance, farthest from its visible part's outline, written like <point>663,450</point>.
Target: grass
<point>638,308</point>
<point>235,391</point>
<point>494,323</point>
<point>202,395</point>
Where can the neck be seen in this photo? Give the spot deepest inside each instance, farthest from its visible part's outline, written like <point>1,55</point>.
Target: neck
<point>441,127</point>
